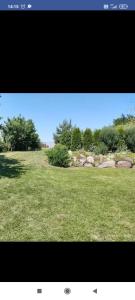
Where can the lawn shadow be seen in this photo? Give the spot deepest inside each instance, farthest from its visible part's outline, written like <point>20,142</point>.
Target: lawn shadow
<point>10,167</point>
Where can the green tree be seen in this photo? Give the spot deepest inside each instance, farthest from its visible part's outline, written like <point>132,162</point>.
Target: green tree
<point>130,139</point>
<point>124,119</point>
<point>110,137</point>
<point>87,139</point>
<point>96,136</point>
<point>76,141</point>
<point>63,134</point>
<point>20,134</point>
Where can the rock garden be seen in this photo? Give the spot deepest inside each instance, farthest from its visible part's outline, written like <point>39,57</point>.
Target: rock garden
<point>101,161</point>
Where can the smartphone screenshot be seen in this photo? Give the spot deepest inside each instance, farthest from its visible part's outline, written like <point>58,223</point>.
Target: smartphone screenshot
<point>67,150</point>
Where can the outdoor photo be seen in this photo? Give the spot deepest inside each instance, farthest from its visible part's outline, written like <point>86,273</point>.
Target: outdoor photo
<point>67,167</point>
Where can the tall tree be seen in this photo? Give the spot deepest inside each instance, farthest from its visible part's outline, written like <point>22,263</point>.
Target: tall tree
<point>76,142</point>
<point>124,119</point>
<point>63,134</point>
<point>87,139</point>
<point>20,134</point>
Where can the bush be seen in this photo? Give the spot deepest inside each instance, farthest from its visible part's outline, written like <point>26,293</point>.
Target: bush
<point>101,149</point>
<point>92,147</point>
<point>110,137</point>
<point>130,139</point>
<point>59,156</point>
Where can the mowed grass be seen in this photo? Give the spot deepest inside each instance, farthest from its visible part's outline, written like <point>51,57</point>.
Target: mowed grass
<point>43,203</point>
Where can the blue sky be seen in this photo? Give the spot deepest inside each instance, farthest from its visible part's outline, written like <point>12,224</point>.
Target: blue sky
<point>48,110</point>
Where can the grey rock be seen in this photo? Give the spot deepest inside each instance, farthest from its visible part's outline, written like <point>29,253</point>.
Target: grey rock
<point>90,159</point>
<point>88,165</point>
<point>124,164</point>
<point>107,164</point>
<point>82,161</point>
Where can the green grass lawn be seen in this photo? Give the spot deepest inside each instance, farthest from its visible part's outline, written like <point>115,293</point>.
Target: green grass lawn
<point>38,202</point>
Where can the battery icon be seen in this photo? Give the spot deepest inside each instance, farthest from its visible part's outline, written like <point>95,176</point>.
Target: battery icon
<point>123,6</point>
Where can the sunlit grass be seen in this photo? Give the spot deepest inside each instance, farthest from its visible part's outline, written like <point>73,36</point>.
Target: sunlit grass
<point>39,202</point>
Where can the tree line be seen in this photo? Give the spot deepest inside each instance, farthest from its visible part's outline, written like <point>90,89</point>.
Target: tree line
<point>120,136</point>
<point>19,134</point>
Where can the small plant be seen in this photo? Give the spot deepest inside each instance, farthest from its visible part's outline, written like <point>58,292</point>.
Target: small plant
<point>101,149</point>
<point>59,156</point>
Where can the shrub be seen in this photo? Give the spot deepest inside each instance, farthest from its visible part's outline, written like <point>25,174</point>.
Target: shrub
<point>122,146</point>
<point>110,137</point>
<point>87,139</point>
<point>59,156</point>
<point>92,147</point>
<point>130,139</point>
<point>101,149</point>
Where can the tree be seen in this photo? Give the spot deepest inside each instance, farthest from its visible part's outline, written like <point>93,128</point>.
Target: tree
<point>63,134</point>
<point>124,119</point>
<point>20,134</point>
<point>76,141</point>
<point>87,139</point>
<point>110,137</point>
<point>96,136</point>
<point>130,139</point>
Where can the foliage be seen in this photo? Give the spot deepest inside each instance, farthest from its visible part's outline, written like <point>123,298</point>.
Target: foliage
<point>110,137</point>
<point>87,139</point>
<point>92,147</point>
<point>96,136</point>
<point>101,149</point>
<point>63,134</point>
<point>124,119</point>
<point>3,146</point>
<point>130,139</point>
<point>58,156</point>
<point>20,134</point>
<point>76,140</point>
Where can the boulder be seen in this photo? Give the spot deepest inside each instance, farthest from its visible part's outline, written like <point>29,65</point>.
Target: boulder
<point>125,159</point>
<point>82,156</point>
<point>107,164</point>
<point>124,164</point>
<point>90,159</point>
<point>88,165</point>
<point>82,161</point>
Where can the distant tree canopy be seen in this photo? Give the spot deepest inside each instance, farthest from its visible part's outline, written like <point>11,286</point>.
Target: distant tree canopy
<point>20,134</point>
<point>63,134</point>
<point>124,119</point>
